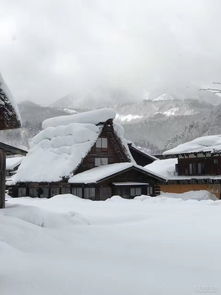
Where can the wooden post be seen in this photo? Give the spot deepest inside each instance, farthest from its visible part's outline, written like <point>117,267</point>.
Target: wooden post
<point>2,178</point>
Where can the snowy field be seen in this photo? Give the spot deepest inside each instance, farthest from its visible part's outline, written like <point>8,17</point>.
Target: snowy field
<point>66,245</point>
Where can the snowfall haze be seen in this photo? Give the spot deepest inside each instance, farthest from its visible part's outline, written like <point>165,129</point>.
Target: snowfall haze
<point>104,51</point>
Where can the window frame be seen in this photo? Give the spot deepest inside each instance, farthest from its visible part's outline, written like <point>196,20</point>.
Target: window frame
<point>100,161</point>
<point>56,188</point>
<point>22,189</point>
<point>77,191</point>
<point>137,191</point>
<point>90,193</point>
<point>102,143</point>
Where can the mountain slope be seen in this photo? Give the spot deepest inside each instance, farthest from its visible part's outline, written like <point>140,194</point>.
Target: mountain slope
<point>153,124</point>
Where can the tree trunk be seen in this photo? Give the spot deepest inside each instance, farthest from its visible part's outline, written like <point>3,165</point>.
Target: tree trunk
<point>2,178</point>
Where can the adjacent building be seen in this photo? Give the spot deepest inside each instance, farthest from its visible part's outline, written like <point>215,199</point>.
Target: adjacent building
<point>195,165</point>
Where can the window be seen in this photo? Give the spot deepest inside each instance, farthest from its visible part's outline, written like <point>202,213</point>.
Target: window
<point>55,191</point>
<point>215,161</point>
<point>135,191</point>
<point>150,190</point>
<point>190,168</point>
<point>199,168</point>
<point>89,193</point>
<point>33,192</point>
<point>21,191</point>
<point>101,161</point>
<point>77,191</point>
<point>65,190</point>
<point>101,143</point>
<point>45,192</point>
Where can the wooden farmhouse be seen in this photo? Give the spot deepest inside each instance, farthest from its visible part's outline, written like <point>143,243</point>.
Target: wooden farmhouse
<point>84,154</point>
<point>195,165</point>
<point>9,119</point>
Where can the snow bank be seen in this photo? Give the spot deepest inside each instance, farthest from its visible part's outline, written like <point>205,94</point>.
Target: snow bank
<point>211,143</point>
<point>56,152</point>
<point>92,117</point>
<point>160,245</point>
<point>44,218</point>
<point>192,195</point>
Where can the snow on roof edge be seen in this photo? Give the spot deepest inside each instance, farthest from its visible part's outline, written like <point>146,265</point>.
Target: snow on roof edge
<point>90,117</point>
<point>210,143</point>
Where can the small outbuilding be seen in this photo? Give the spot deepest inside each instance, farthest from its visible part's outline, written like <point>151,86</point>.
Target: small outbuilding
<point>196,165</point>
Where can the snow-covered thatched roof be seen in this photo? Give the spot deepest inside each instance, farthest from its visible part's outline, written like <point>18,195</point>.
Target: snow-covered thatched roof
<point>9,115</point>
<point>210,143</point>
<point>59,149</point>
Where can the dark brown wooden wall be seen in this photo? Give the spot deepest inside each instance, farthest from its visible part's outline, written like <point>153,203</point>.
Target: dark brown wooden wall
<point>133,176</point>
<point>210,167</point>
<point>115,151</point>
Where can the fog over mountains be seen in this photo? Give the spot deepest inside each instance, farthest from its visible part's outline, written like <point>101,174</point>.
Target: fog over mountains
<point>156,124</point>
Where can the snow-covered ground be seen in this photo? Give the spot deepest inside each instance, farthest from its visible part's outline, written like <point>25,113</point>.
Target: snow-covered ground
<point>66,245</point>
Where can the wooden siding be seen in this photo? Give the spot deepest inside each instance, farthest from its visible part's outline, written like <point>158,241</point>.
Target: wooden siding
<point>115,152</point>
<point>103,190</point>
<point>212,166</point>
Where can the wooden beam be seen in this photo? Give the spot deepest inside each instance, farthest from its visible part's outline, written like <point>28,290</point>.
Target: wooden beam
<point>2,178</point>
<point>11,150</point>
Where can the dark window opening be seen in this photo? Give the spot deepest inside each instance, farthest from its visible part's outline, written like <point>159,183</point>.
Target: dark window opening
<point>77,191</point>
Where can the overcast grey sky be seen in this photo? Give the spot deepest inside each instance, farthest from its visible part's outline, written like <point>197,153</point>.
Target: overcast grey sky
<point>49,48</point>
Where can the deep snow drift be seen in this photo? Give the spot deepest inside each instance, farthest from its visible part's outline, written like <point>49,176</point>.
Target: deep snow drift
<point>67,245</point>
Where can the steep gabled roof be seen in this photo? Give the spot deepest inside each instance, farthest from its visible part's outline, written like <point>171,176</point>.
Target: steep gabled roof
<point>9,115</point>
<point>58,150</point>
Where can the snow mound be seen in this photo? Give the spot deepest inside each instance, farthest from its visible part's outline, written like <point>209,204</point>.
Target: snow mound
<point>56,152</point>
<point>92,117</point>
<point>44,218</point>
<point>211,143</point>
<point>192,195</point>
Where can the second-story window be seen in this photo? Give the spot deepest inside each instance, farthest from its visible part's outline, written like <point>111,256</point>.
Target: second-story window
<point>190,168</point>
<point>101,161</point>
<point>101,143</point>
